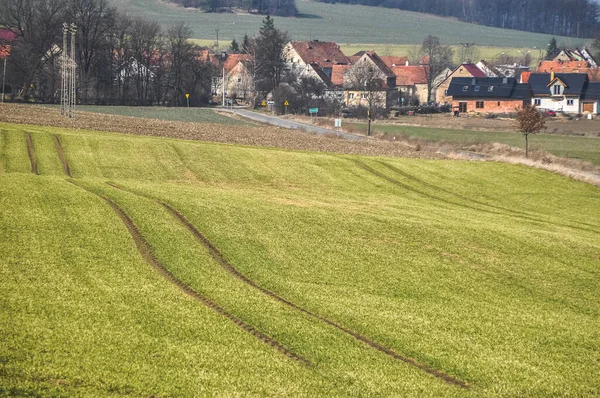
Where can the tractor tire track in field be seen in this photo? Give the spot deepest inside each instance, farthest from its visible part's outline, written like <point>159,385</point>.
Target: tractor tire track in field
<point>146,251</point>
<point>216,254</point>
<point>61,155</point>
<point>31,153</point>
<point>516,213</point>
<point>433,197</point>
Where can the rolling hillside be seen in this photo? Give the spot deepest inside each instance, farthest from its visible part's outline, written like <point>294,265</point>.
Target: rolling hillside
<point>150,266</point>
<point>345,24</point>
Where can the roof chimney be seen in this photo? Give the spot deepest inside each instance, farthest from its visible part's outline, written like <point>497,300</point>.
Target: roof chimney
<point>406,62</point>
<point>551,75</point>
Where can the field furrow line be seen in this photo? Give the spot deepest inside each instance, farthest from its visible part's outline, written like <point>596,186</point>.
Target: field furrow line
<point>146,251</point>
<point>61,155</point>
<point>218,256</point>
<point>31,153</point>
<point>500,210</point>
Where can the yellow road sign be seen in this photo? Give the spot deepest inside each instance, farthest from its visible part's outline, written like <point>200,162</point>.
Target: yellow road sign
<point>286,103</point>
<point>264,103</point>
<point>187,95</point>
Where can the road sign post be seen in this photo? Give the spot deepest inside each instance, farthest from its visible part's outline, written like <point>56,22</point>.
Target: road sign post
<point>286,104</point>
<point>187,97</point>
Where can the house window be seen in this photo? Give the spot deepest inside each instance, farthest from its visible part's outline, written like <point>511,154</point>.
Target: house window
<point>476,88</point>
<point>445,92</point>
<point>462,106</point>
<point>239,79</point>
<point>491,88</point>
<point>556,89</point>
<point>537,102</point>
<point>363,95</point>
<point>570,102</point>
<point>465,88</point>
<point>479,104</point>
<point>351,95</point>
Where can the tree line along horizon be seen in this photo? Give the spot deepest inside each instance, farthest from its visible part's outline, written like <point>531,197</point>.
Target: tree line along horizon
<point>574,18</point>
<point>132,61</point>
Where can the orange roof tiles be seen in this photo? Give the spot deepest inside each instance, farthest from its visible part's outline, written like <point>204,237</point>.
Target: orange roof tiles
<point>563,67</point>
<point>525,76</point>
<point>409,75</point>
<point>337,74</point>
<point>392,60</point>
<point>233,59</point>
<point>323,53</point>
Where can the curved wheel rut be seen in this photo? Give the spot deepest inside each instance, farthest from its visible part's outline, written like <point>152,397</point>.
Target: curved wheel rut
<point>514,214</point>
<point>61,155</point>
<point>146,251</point>
<point>216,254</point>
<point>31,153</point>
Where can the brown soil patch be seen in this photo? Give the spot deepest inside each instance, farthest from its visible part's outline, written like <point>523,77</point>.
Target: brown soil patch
<point>265,136</point>
<point>31,153</point>
<point>146,251</point>
<point>61,155</point>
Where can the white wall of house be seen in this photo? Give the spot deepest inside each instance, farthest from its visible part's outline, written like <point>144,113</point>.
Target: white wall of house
<point>568,105</point>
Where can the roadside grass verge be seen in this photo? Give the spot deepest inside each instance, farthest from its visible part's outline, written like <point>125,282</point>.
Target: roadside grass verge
<point>573,147</point>
<point>485,271</point>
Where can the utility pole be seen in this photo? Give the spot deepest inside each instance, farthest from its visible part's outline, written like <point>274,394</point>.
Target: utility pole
<point>223,86</point>
<point>73,72</point>
<point>68,73</point>
<point>5,53</point>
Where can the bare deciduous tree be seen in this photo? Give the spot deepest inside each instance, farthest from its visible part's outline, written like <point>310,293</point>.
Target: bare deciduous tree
<point>529,121</point>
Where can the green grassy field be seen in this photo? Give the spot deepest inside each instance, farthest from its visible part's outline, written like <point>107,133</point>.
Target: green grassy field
<point>342,23</point>
<point>584,148</point>
<point>482,273</point>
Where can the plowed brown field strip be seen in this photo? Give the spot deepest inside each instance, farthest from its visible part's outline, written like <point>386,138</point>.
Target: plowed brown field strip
<point>146,252</point>
<point>61,155</point>
<point>216,254</point>
<point>31,153</point>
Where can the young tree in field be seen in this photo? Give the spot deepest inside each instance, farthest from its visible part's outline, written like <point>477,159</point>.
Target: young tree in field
<point>435,57</point>
<point>529,121</point>
<point>234,47</point>
<point>270,60</point>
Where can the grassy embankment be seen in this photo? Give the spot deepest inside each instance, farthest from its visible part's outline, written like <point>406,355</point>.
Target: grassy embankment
<point>484,272</point>
<point>584,148</point>
<point>342,23</point>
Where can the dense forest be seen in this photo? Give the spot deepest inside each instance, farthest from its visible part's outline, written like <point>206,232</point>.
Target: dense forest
<point>285,8</point>
<point>576,18</point>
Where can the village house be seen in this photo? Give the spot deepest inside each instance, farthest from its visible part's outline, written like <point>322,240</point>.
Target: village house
<point>565,92</point>
<point>315,59</point>
<point>488,94</point>
<point>369,68</point>
<point>463,70</point>
<point>411,84</point>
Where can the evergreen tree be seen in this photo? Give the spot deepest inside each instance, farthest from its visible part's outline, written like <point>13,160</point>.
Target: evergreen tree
<point>234,47</point>
<point>270,60</point>
<point>552,49</point>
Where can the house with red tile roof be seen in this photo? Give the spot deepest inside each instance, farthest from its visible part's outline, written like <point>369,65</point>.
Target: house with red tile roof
<point>463,70</point>
<point>411,83</point>
<point>314,58</point>
<point>371,67</point>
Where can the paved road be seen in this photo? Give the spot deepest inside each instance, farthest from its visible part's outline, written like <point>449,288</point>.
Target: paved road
<point>289,124</point>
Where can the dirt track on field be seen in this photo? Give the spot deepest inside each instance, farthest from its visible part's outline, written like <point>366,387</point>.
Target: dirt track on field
<point>265,136</point>
<point>31,154</point>
<point>61,155</point>
<point>146,252</point>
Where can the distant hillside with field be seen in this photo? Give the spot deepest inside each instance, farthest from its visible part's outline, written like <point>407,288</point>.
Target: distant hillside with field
<point>342,23</point>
